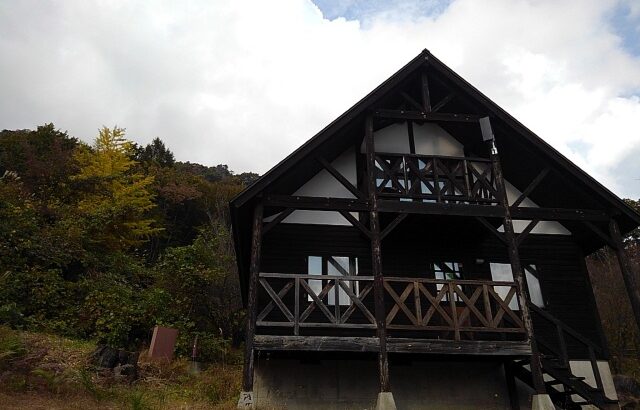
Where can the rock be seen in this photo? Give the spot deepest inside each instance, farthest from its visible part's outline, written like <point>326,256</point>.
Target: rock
<point>125,357</point>
<point>123,363</point>
<point>127,371</point>
<point>105,357</point>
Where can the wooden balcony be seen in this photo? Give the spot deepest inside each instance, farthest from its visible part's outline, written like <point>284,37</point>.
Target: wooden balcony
<point>322,312</point>
<point>436,179</point>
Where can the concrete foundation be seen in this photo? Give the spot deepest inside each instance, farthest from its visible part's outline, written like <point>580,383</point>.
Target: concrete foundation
<point>246,401</point>
<point>353,384</point>
<point>385,401</point>
<point>542,402</point>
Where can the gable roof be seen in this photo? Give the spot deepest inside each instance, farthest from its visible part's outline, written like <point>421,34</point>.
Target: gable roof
<point>628,218</point>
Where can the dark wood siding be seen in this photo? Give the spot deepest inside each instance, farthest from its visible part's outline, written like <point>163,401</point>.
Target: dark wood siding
<point>416,243</point>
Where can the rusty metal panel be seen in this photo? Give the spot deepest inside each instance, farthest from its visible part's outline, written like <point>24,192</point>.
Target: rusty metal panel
<point>163,342</point>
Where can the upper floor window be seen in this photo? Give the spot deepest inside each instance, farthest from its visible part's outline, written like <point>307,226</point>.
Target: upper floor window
<point>446,271</point>
<point>502,272</point>
<point>333,266</point>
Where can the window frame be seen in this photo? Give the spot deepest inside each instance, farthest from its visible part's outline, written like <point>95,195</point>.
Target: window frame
<point>326,265</point>
<point>530,270</point>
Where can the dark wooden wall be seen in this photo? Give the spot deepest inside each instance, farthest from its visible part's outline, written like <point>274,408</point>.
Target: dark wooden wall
<point>411,248</point>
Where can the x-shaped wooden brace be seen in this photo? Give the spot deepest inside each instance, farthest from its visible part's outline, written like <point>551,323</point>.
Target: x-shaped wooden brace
<point>317,301</point>
<point>470,305</point>
<point>390,174</point>
<point>276,300</point>
<point>504,307</point>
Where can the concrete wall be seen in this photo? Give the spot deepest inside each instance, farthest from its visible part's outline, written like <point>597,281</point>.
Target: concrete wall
<point>353,384</point>
<point>583,368</point>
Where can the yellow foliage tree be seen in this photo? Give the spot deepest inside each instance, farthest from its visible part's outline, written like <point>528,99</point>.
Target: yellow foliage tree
<point>115,198</point>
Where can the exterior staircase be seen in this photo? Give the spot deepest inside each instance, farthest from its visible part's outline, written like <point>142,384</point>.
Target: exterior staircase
<point>567,391</point>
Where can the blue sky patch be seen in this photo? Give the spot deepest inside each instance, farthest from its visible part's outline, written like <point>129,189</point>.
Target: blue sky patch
<point>627,26</point>
<point>362,9</point>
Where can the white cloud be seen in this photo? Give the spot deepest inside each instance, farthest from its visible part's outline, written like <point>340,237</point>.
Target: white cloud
<point>247,82</point>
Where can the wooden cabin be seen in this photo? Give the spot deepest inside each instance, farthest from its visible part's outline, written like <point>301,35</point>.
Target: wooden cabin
<point>426,250</point>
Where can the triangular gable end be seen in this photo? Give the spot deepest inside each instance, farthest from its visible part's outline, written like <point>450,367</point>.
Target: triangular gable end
<point>441,111</point>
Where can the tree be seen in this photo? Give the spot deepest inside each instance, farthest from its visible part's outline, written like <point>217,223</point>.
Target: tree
<point>155,153</point>
<point>116,199</point>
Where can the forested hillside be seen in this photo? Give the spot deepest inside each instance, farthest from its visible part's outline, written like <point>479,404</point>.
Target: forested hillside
<point>104,241</point>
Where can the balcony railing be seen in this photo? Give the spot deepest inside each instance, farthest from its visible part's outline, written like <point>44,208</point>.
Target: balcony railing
<point>439,179</point>
<point>424,308</point>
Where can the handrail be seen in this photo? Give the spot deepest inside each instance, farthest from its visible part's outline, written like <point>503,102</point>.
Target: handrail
<point>568,329</point>
<point>309,276</point>
<point>562,328</point>
<point>397,154</point>
<point>387,279</point>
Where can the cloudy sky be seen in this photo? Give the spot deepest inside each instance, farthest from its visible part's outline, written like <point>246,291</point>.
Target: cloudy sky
<point>246,82</point>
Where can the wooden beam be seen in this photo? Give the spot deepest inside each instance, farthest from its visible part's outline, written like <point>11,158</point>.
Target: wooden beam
<point>518,272</point>
<point>536,181</point>
<point>426,97</point>
<point>525,232</point>
<point>411,101</point>
<point>376,258</point>
<point>492,229</point>
<point>443,102</point>
<point>559,214</point>
<point>387,230</point>
<point>489,211</point>
<point>608,239</point>
<point>337,175</point>
<point>395,345</point>
<point>277,220</point>
<point>631,277</point>
<point>425,116</point>
<point>511,385</point>
<point>347,215</point>
<point>256,245</point>
<point>316,203</point>
<point>461,347</point>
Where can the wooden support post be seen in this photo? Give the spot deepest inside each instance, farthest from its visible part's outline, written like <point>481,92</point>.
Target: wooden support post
<point>426,97</point>
<point>518,273</point>
<point>512,388</point>
<point>631,277</point>
<point>252,305</point>
<point>376,258</point>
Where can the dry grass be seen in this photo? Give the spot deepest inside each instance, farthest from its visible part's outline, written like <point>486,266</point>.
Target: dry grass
<point>49,372</point>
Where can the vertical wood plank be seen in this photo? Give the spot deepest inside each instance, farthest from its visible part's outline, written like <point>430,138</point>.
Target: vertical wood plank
<point>254,271</point>
<point>511,386</point>
<point>296,314</point>
<point>418,304</point>
<point>436,179</point>
<point>376,258</point>
<point>454,310</point>
<point>426,95</point>
<point>488,314</point>
<point>336,289</point>
<point>467,185</point>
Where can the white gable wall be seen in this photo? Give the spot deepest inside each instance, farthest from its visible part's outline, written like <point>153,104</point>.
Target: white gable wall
<point>430,139</point>
<point>543,227</point>
<point>323,184</point>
